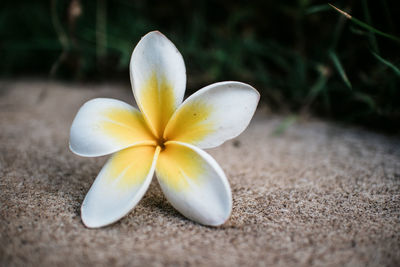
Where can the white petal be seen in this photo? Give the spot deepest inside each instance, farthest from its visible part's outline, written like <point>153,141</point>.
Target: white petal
<point>158,78</point>
<point>103,126</point>
<point>119,186</point>
<point>194,183</point>
<point>214,114</point>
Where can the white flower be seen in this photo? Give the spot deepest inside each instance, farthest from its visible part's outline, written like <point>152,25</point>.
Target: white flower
<point>166,137</point>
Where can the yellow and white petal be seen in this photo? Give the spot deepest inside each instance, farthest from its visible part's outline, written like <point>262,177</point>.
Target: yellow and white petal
<point>213,114</point>
<point>103,126</point>
<point>158,78</point>
<point>119,186</point>
<point>194,183</point>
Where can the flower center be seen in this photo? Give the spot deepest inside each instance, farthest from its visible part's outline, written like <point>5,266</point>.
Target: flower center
<point>161,143</point>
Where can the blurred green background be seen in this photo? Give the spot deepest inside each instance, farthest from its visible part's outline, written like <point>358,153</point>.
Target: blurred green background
<point>303,56</point>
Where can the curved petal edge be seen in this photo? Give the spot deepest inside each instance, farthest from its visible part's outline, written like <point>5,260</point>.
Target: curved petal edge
<point>119,186</point>
<point>213,115</point>
<point>103,126</point>
<point>194,184</point>
<point>158,78</point>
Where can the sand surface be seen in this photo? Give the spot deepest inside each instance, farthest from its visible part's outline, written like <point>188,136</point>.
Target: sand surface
<point>320,194</point>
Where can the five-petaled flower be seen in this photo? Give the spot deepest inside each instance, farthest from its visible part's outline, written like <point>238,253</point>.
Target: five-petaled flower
<point>166,137</point>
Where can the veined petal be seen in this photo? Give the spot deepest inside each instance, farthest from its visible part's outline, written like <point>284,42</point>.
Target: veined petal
<point>119,186</point>
<point>158,78</point>
<point>194,183</point>
<point>103,126</point>
<point>214,114</point>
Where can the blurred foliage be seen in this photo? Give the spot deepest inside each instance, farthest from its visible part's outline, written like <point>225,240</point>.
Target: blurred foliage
<point>301,55</point>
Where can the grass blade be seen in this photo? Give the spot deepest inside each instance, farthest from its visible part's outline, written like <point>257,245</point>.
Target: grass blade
<point>365,25</point>
<point>371,35</point>
<point>340,68</point>
<point>387,63</point>
<point>366,99</point>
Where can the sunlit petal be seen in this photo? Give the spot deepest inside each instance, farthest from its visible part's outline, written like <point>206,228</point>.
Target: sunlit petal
<point>158,78</point>
<point>119,186</point>
<point>214,114</point>
<point>104,126</point>
<point>194,183</point>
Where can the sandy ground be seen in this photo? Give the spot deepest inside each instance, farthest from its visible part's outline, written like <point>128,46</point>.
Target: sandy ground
<point>319,194</point>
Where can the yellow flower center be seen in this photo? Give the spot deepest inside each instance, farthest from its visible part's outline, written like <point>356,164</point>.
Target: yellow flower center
<point>161,143</point>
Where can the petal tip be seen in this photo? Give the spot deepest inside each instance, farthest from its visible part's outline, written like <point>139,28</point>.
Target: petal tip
<point>219,221</point>
<point>88,221</point>
<point>75,151</point>
<point>91,220</point>
<point>155,33</point>
<point>72,149</point>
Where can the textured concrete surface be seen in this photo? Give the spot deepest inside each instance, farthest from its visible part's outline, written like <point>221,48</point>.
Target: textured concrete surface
<point>319,194</point>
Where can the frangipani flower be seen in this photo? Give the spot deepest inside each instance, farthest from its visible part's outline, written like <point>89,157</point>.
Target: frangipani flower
<point>166,137</point>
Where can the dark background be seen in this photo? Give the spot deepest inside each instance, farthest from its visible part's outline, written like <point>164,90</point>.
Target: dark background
<point>303,56</point>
